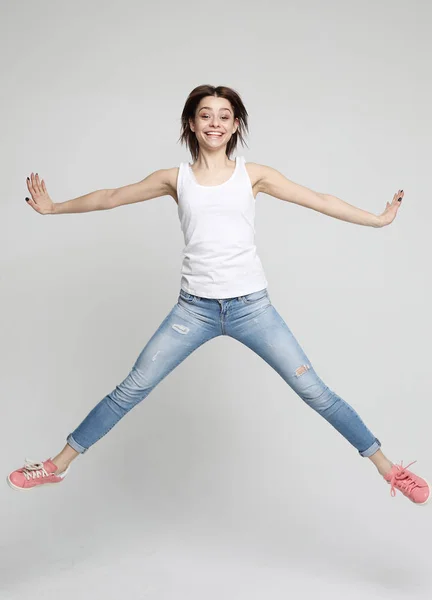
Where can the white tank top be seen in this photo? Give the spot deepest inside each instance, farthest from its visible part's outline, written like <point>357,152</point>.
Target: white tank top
<point>220,259</point>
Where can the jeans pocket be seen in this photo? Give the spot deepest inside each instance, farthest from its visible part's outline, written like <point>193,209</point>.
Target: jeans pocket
<point>255,296</point>
<point>190,298</point>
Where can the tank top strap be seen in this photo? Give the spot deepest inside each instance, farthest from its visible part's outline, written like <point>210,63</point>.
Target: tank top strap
<point>243,172</point>
<point>182,174</point>
<point>242,162</point>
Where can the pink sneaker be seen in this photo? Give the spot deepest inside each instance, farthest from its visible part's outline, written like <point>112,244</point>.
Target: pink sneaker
<point>34,474</point>
<point>411,485</point>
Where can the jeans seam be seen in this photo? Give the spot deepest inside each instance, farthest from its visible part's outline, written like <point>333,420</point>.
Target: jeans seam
<point>191,312</point>
<point>193,301</point>
<point>247,302</point>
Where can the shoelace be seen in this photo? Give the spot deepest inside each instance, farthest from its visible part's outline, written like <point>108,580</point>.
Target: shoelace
<point>33,469</point>
<point>402,480</point>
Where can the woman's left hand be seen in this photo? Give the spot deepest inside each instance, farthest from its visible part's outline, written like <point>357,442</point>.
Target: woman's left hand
<point>391,209</point>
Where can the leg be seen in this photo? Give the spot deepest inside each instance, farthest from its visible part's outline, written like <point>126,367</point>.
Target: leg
<point>176,338</point>
<point>64,459</point>
<point>265,332</point>
<point>381,462</point>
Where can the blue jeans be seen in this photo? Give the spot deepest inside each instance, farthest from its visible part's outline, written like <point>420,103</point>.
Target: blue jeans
<point>253,321</point>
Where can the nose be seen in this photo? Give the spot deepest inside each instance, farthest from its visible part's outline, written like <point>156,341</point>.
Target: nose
<point>214,121</point>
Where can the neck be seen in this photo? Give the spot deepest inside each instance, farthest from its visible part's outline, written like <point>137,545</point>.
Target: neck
<point>212,161</point>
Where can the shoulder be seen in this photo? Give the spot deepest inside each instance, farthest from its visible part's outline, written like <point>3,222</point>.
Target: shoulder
<point>259,175</point>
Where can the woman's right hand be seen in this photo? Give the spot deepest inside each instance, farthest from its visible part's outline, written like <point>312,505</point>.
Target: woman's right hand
<point>40,199</point>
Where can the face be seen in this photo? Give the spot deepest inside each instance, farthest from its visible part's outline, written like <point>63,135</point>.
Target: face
<point>214,122</point>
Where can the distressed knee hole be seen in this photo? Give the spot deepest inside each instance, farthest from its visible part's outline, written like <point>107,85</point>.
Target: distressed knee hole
<point>302,370</point>
<point>180,328</point>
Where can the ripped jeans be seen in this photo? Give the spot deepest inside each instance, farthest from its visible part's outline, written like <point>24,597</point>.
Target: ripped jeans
<point>253,321</point>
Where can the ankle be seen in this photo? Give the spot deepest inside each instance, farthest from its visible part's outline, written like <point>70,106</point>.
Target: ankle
<point>61,466</point>
<point>385,469</point>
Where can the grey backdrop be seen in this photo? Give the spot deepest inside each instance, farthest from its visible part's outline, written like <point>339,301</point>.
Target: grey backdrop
<point>222,483</point>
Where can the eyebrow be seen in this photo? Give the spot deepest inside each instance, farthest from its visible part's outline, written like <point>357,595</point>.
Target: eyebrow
<point>208,108</point>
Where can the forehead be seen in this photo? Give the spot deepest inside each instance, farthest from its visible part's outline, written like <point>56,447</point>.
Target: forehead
<point>213,103</point>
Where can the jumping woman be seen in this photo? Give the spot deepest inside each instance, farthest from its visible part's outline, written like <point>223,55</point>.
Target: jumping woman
<point>223,288</point>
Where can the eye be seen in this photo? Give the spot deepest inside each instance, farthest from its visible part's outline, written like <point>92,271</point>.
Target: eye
<point>226,117</point>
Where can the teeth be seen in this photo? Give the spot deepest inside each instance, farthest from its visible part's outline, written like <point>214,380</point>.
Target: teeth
<point>214,134</point>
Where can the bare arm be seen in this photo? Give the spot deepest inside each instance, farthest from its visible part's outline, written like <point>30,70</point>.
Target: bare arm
<point>154,185</point>
<point>93,201</point>
<point>339,209</point>
<point>275,184</point>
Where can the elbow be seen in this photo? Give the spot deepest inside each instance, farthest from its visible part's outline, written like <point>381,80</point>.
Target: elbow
<point>109,199</point>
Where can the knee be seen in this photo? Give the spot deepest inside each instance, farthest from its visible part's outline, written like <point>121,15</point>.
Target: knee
<point>132,390</point>
<point>320,397</point>
<point>313,390</point>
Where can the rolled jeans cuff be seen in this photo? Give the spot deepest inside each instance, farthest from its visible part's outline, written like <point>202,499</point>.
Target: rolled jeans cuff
<point>77,447</point>
<point>372,449</point>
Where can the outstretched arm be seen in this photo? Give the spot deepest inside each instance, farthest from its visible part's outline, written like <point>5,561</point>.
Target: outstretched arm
<point>153,186</point>
<point>275,184</point>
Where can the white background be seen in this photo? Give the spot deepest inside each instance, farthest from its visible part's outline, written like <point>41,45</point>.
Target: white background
<point>222,483</point>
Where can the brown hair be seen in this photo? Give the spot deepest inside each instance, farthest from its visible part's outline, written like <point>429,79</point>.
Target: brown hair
<point>188,137</point>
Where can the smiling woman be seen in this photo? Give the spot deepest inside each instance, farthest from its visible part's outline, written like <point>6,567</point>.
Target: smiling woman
<point>223,287</point>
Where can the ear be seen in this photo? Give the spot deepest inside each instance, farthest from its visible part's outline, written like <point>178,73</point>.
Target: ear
<point>191,124</point>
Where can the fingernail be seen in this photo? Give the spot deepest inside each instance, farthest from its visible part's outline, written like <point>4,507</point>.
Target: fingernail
<point>399,199</point>
<point>28,178</point>
<point>27,199</point>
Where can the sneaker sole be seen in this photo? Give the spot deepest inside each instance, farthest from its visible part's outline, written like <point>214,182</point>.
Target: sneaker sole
<point>20,489</point>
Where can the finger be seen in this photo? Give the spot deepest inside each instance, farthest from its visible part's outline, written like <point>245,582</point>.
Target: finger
<point>33,204</point>
<point>43,186</point>
<point>33,183</point>
<point>37,184</point>
<point>37,191</point>
<point>31,189</point>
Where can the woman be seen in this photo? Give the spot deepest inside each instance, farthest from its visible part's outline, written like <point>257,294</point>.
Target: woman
<point>223,285</point>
